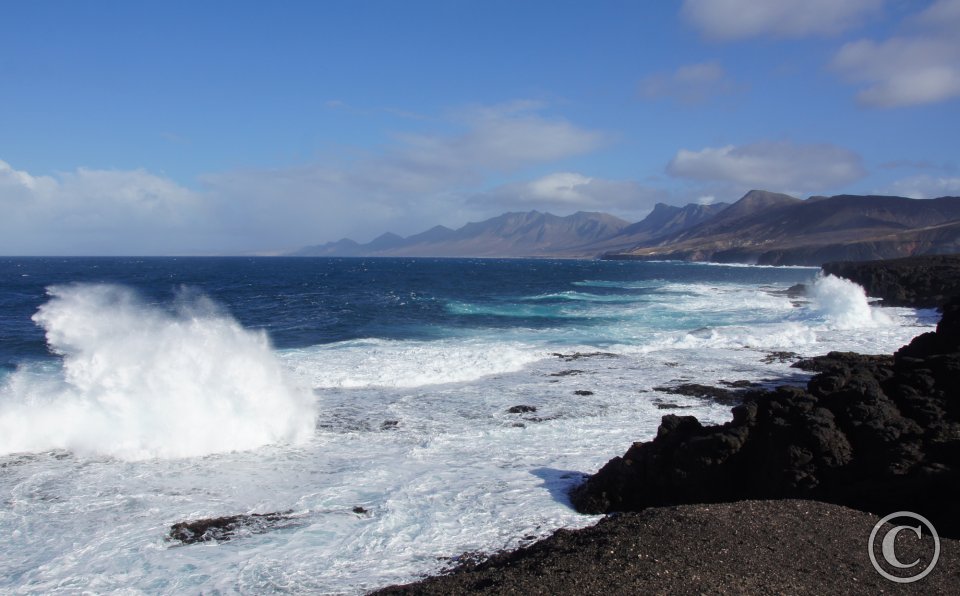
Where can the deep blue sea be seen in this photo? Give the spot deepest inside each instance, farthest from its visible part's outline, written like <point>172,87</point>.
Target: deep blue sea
<point>139,392</point>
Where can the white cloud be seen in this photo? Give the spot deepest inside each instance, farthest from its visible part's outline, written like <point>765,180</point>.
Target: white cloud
<point>420,179</point>
<point>93,212</point>
<point>502,137</point>
<point>902,71</point>
<point>771,165</point>
<point>690,84</point>
<point>925,187</point>
<point>920,66</point>
<point>942,15</point>
<point>741,19</point>
<point>562,187</point>
<point>564,192</point>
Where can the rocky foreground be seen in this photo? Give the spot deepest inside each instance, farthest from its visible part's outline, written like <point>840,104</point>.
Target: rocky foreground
<point>878,434</point>
<point>748,547</point>
<point>868,434</point>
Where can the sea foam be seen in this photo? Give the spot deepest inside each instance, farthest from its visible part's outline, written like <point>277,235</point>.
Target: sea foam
<point>844,304</point>
<point>140,381</point>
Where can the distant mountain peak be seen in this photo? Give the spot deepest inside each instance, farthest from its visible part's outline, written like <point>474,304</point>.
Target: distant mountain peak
<point>774,228</point>
<point>762,226</point>
<point>760,199</point>
<point>529,234</point>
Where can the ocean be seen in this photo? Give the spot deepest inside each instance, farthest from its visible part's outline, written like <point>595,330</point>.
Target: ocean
<point>370,399</point>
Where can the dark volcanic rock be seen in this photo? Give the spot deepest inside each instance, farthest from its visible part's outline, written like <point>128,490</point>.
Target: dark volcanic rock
<point>723,396</point>
<point>749,547</point>
<point>661,405</point>
<point>579,355</point>
<point>840,361</point>
<point>741,384</point>
<point>919,282</point>
<point>521,409</point>
<point>229,527</point>
<point>797,291</point>
<point>567,373</point>
<point>877,433</point>
<point>772,357</point>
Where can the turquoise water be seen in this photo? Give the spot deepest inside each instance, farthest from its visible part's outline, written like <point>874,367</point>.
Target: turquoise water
<point>137,393</point>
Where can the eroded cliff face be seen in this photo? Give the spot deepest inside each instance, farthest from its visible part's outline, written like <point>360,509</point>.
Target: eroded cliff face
<point>878,433</point>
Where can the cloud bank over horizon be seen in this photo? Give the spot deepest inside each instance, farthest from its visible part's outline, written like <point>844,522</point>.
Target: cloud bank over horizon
<point>781,166</point>
<point>260,140</point>
<point>418,178</point>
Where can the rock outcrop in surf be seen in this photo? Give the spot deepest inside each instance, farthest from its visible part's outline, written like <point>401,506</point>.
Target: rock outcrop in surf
<point>919,282</point>
<point>880,434</point>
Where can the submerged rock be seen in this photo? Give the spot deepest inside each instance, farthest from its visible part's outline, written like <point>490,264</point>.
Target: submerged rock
<point>772,357</point>
<point>579,355</point>
<point>567,373</point>
<point>225,528</point>
<point>662,405</point>
<point>717,394</point>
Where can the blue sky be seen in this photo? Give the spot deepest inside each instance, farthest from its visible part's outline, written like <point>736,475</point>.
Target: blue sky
<point>251,127</point>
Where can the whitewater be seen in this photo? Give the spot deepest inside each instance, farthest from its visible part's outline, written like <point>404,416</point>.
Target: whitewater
<point>370,400</point>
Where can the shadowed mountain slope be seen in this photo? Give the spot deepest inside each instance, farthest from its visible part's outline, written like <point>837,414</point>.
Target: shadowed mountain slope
<point>762,227</point>
<point>767,228</point>
<point>529,234</point>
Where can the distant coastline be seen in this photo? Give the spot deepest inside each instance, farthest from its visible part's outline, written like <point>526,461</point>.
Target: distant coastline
<point>761,228</point>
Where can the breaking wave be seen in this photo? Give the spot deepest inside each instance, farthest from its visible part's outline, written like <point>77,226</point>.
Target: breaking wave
<point>139,381</point>
<point>844,304</point>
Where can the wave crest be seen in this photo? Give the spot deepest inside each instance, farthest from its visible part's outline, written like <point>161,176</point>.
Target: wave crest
<point>845,305</point>
<point>139,381</point>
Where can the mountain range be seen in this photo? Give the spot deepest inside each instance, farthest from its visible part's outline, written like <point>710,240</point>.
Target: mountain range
<point>528,234</point>
<point>762,228</point>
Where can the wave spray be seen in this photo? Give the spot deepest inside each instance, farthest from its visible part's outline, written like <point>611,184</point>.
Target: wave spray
<point>139,381</point>
<point>845,304</point>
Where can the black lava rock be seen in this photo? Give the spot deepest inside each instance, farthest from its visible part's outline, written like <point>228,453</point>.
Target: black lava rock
<point>918,282</point>
<point>229,527</point>
<point>879,433</point>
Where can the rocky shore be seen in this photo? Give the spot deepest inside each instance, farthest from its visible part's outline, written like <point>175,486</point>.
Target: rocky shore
<point>747,547</point>
<point>714,509</point>
<point>879,434</point>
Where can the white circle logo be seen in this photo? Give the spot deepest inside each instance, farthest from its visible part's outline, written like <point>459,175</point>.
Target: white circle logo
<point>888,547</point>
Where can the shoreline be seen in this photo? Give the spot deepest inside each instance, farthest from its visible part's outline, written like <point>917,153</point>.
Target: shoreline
<point>651,484</point>
<point>747,547</point>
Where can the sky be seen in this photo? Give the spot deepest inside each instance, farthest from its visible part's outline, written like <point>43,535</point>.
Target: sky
<point>230,127</point>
